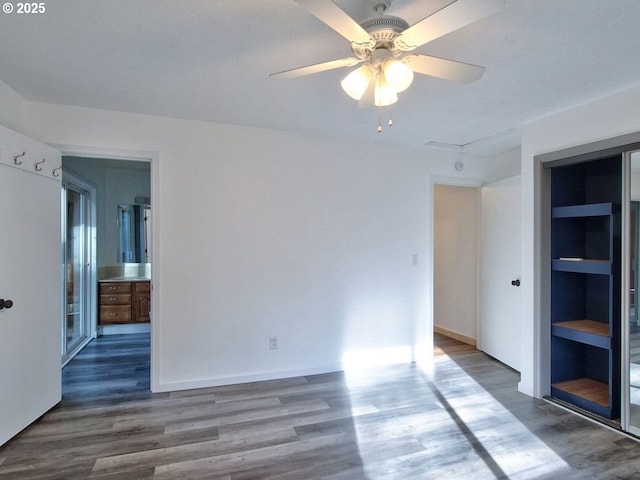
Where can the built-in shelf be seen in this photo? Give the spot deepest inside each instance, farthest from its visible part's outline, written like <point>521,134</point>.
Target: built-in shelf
<point>585,388</point>
<point>589,332</point>
<point>585,285</point>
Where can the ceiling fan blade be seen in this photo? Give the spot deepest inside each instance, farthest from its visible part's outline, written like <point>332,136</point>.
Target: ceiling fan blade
<point>336,18</point>
<point>457,14</point>
<point>317,68</point>
<point>443,68</point>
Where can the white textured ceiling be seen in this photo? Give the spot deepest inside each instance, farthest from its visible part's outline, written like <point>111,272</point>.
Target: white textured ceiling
<point>210,60</point>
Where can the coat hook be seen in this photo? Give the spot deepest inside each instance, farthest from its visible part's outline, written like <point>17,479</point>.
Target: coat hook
<point>16,157</point>
<point>56,171</point>
<point>37,165</point>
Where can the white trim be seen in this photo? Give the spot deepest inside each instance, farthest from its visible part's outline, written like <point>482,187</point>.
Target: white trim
<point>541,281</point>
<point>455,335</point>
<point>105,153</point>
<point>155,259</point>
<point>258,377</point>
<point>455,181</point>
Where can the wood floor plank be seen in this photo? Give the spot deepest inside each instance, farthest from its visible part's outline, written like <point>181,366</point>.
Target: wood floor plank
<point>460,418</point>
<point>259,458</point>
<point>192,451</point>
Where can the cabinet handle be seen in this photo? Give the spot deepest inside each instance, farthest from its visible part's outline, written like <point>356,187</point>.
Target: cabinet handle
<point>516,282</point>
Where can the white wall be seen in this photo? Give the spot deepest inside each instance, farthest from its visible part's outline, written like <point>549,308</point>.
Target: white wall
<point>608,117</point>
<point>118,182</point>
<point>306,239</point>
<point>456,211</point>
<point>261,233</point>
<point>504,165</point>
<point>13,109</point>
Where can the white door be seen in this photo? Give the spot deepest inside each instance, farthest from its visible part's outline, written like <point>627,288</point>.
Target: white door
<point>30,277</point>
<point>500,309</point>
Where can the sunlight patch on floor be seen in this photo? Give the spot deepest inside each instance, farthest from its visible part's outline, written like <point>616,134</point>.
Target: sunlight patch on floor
<point>448,425</point>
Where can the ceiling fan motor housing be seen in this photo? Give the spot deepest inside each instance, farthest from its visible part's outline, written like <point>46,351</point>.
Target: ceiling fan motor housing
<point>383,29</point>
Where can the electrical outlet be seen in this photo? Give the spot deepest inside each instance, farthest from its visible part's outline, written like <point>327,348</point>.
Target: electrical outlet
<point>273,343</point>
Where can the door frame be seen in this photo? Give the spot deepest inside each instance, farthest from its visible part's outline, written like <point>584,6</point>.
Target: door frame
<point>90,274</point>
<point>537,375</point>
<point>75,150</point>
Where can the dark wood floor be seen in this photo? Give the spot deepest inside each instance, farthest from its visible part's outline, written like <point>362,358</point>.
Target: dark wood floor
<point>462,418</point>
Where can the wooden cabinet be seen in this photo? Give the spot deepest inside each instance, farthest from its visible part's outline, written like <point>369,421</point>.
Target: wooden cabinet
<point>124,302</point>
<point>585,285</point>
<point>141,302</point>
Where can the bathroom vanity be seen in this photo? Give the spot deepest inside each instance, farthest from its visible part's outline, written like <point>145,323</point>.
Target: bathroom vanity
<point>124,302</point>
<point>124,295</point>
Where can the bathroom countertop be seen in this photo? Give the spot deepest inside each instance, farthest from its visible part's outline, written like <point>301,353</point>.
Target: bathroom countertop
<point>125,279</point>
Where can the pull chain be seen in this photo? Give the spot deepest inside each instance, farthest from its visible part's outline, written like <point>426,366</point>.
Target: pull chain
<point>380,118</point>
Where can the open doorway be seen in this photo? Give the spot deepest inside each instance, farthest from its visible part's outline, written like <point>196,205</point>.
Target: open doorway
<point>456,213</point>
<point>121,300</point>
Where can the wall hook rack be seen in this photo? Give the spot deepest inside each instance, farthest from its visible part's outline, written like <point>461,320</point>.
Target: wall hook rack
<point>16,157</point>
<point>56,171</point>
<point>38,165</point>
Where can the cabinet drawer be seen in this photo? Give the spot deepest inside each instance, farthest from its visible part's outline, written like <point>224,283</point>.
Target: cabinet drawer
<point>115,287</point>
<point>116,299</point>
<point>142,287</point>
<point>115,314</point>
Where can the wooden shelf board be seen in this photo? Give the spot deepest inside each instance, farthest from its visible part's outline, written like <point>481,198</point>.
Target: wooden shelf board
<point>587,326</point>
<point>582,210</point>
<point>588,389</point>
<point>587,265</point>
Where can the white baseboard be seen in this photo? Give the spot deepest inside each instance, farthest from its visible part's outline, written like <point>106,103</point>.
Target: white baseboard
<point>122,329</point>
<point>455,335</point>
<point>259,377</point>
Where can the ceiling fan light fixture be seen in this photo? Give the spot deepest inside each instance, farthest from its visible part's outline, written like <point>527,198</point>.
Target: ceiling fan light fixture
<point>398,75</point>
<point>384,94</point>
<point>356,83</point>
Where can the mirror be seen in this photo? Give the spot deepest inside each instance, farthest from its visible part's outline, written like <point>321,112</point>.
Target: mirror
<point>134,222</point>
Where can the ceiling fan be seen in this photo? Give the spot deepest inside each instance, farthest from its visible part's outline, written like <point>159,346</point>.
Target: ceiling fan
<point>381,45</point>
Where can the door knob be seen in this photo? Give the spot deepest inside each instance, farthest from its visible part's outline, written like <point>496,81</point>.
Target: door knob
<point>516,282</point>
<point>5,303</point>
